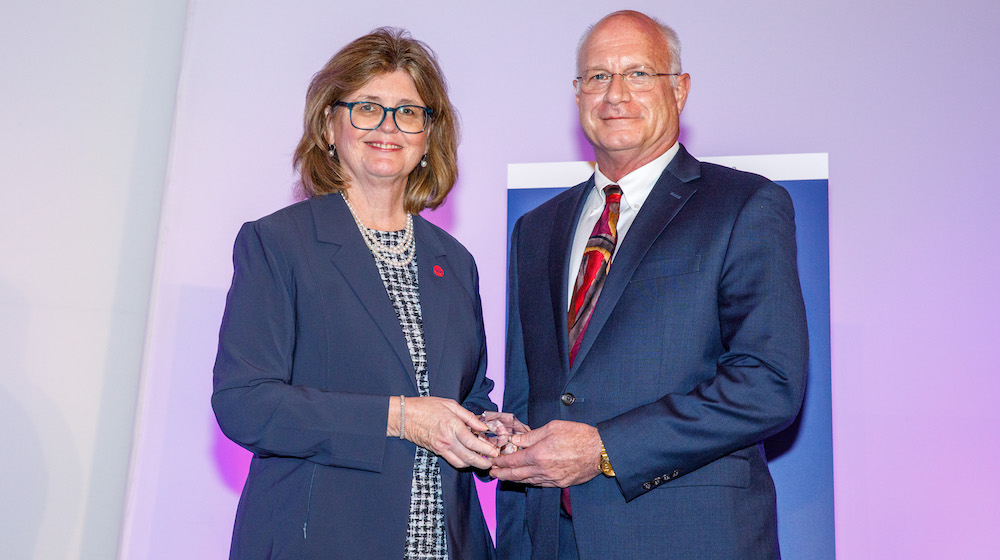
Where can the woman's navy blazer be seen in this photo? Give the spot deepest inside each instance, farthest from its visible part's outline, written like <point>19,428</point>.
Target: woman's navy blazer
<point>310,350</point>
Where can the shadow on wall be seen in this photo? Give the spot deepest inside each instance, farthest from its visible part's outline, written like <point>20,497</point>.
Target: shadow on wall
<point>232,462</point>
<point>30,420</point>
<point>199,314</point>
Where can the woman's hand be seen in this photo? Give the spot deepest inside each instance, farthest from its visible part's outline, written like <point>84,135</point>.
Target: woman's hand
<point>445,428</point>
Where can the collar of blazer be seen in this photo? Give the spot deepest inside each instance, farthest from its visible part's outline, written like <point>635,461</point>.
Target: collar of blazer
<point>672,190</point>
<point>336,226</point>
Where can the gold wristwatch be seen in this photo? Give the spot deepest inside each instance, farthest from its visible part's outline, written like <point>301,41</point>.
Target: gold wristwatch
<point>606,467</point>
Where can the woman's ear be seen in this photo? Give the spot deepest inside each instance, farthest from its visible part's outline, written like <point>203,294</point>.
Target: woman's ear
<point>427,136</point>
<point>328,126</point>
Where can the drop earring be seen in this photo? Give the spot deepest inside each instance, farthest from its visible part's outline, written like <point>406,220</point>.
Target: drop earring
<point>423,161</point>
<point>332,150</point>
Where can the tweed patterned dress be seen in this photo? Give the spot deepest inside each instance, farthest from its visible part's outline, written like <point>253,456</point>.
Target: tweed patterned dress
<point>425,534</point>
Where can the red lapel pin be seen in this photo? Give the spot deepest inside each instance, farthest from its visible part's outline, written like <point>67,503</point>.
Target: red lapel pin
<point>438,271</point>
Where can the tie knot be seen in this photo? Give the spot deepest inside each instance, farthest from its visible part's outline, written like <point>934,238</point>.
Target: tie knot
<point>612,193</point>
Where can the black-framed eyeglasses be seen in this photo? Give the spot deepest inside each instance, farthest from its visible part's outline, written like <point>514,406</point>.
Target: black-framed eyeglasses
<point>368,115</point>
<point>598,81</point>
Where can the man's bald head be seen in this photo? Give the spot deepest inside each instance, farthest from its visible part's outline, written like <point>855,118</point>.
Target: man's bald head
<point>671,42</point>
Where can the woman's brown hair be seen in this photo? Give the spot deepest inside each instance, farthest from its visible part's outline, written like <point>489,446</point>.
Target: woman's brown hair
<point>382,51</point>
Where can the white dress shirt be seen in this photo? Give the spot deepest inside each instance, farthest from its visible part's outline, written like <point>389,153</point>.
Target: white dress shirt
<point>636,187</point>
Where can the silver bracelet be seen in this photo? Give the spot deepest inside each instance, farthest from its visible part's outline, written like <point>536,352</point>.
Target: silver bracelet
<point>402,417</point>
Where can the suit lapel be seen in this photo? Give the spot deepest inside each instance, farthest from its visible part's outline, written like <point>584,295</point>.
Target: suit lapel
<point>560,249</point>
<point>335,225</point>
<point>435,293</point>
<point>666,199</point>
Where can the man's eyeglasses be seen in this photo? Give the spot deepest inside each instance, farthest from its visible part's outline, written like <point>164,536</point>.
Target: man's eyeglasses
<point>368,115</point>
<point>598,81</point>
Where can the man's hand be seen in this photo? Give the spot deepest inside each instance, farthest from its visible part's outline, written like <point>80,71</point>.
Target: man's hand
<point>558,454</point>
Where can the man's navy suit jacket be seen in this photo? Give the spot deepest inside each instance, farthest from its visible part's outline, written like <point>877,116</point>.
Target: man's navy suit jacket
<point>310,350</point>
<point>696,352</point>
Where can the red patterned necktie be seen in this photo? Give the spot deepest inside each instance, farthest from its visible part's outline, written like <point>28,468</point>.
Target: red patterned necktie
<point>593,268</point>
<point>589,281</point>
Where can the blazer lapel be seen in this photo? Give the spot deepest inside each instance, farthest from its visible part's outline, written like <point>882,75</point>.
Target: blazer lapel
<point>668,196</point>
<point>560,246</point>
<point>435,293</point>
<point>335,225</point>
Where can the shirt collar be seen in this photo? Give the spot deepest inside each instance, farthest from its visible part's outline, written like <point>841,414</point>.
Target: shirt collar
<point>637,185</point>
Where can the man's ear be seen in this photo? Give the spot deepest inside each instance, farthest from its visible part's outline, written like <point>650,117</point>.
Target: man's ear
<point>681,91</point>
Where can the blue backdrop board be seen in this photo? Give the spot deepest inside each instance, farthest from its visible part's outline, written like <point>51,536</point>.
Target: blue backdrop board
<point>801,457</point>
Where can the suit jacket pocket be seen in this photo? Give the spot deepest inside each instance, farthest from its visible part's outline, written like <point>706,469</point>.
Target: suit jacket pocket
<point>731,470</point>
<point>671,266</point>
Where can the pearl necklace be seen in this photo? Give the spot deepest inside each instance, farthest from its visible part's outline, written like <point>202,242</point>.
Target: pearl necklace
<point>398,255</point>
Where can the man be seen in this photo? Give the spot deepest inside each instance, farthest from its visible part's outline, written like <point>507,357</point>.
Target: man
<point>675,361</point>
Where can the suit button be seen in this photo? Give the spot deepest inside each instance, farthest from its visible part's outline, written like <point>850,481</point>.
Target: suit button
<point>657,481</point>
<point>675,474</point>
<point>567,399</point>
<point>647,485</point>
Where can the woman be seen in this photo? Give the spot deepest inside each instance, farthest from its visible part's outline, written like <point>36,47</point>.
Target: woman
<point>352,353</point>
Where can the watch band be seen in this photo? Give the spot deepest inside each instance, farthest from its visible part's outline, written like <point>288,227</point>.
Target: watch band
<point>606,467</point>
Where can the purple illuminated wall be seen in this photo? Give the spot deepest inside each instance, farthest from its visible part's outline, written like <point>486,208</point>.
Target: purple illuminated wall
<point>900,94</point>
